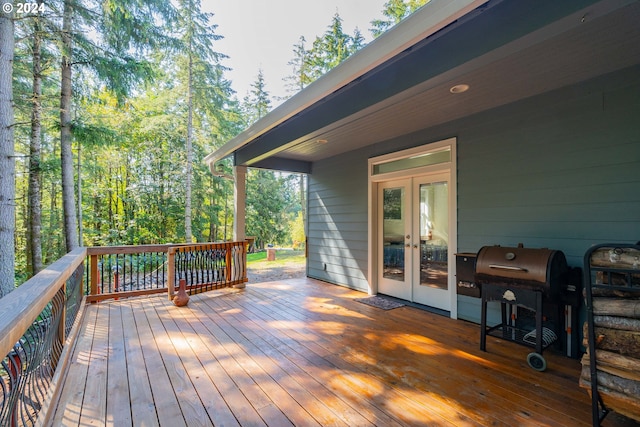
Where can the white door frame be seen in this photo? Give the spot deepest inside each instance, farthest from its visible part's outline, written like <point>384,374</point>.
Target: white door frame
<point>375,178</point>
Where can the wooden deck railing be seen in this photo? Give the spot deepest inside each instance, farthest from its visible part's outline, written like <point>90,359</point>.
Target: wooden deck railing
<point>123,271</point>
<point>39,319</point>
<point>36,324</point>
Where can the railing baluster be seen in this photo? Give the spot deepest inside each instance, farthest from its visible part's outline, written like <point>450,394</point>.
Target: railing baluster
<point>94,275</point>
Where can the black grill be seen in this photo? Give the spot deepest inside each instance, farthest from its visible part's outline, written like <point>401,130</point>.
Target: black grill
<point>531,285</point>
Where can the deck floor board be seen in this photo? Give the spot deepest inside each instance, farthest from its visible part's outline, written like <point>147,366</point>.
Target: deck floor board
<point>143,411</point>
<point>303,352</point>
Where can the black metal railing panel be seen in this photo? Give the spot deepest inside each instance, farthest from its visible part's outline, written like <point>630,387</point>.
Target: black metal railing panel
<point>135,271</point>
<point>209,265</point>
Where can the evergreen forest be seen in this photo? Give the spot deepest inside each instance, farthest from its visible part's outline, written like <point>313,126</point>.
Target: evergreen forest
<point>107,108</point>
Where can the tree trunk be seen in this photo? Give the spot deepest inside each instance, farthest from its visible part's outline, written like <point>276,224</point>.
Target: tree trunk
<point>79,182</point>
<point>189,173</point>
<point>51,243</point>
<point>66,154</point>
<point>34,195</point>
<point>7,159</point>
<point>303,202</point>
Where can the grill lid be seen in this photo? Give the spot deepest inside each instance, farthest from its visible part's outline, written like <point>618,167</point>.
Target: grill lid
<point>521,266</point>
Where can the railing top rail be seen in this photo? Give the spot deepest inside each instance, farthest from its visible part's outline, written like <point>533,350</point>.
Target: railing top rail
<point>204,246</point>
<point>136,249</point>
<point>20,308</point>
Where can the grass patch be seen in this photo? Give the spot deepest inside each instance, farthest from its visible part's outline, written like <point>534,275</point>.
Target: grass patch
<point>258,260</point>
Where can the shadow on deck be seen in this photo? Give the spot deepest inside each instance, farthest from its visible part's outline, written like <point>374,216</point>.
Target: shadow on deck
<point>303,352</point>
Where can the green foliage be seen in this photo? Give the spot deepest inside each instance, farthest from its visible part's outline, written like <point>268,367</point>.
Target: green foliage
<point>395,11</point>
<point>134,62</point>
<point>296,226</point>
<point>257,103</point>
<point>302,76</point>
<point>270,199</point>
<point>327,51</point>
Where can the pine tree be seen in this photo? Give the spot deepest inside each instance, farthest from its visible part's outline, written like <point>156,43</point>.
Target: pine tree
<point>357,42</point>
<point>122,27</point>
<point>35,148</point>
<point>327,51</point>
<point>257,102</point>
<point>301,76</point>
<point>335,44</point>
<point>66,155</point>
<point>206,89</point>
<point>395,11</point>
<point>7,159</point>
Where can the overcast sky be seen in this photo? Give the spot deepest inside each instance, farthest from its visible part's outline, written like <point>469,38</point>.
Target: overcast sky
<point>261,33</point>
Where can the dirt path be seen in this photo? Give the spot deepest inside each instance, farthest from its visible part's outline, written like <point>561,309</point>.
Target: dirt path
<point>270,274</point>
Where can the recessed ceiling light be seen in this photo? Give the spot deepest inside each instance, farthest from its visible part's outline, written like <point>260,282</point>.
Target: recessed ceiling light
<point>459,88</point>
<point>322,141</point>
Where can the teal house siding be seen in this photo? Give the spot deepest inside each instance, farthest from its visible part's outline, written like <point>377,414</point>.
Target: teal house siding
<point>559,170</point>
<point>337,225</point>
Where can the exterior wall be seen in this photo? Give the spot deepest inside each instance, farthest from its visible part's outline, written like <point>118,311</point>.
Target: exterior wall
<point>337,221</point>
<point>560,170</point>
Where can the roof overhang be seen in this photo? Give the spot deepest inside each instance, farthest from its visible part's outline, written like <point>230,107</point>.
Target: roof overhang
<point>505,50</point>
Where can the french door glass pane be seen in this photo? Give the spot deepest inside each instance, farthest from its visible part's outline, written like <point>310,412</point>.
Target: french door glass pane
<point>434,236</point>
<point>393,227</point>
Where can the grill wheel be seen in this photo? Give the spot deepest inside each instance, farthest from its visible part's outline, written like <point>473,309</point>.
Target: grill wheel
<point>536,361</point>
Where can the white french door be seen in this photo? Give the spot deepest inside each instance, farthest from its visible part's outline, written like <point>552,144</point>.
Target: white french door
<point>413,239</point>
<point>394,234</point>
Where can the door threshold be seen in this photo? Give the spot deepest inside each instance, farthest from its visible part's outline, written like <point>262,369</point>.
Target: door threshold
<point>418,305</point>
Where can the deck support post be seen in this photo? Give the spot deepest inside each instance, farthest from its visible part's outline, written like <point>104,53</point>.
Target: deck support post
<point>239,211</point>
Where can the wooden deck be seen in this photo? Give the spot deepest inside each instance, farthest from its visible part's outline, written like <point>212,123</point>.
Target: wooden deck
<point>302,352</point>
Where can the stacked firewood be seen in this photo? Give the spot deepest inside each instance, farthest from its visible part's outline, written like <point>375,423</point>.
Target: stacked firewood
<point>617,338</point>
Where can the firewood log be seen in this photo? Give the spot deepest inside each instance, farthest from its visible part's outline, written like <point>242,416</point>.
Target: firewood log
<point>615,322</point>
<point>616,307</point>
<point>585,335</point>
<point>622,385</point>
<point>615,364</point>
<point>622,397</point>
<point>618,293</point>
<point>622,258</point>
<point>622,342</point>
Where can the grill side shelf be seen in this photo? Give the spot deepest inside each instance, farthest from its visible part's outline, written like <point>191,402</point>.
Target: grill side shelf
<point>612,279</point>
